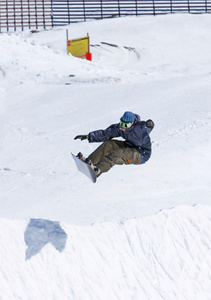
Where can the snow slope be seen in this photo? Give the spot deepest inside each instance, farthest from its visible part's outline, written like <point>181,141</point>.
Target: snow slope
<point>113,243</point>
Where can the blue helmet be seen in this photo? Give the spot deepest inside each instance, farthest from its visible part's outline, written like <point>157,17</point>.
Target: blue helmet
<point>127,120</point>
<point>128,117</point>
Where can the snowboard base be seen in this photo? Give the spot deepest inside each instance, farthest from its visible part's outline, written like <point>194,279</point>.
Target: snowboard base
<point>84,168</point>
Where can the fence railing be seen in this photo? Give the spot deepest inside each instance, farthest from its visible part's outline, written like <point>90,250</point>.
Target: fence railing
<point>34,14</point>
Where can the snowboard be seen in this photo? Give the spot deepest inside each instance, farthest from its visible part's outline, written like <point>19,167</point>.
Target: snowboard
<point>84,168</point>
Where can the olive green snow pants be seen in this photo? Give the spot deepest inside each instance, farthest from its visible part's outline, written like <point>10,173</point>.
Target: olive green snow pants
<point>114,152</point>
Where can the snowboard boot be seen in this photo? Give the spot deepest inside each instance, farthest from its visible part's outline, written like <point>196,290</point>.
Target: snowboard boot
<point>97,171</point>
<point>81,157</point>
<point>89,162</point>
<point>94,167</point>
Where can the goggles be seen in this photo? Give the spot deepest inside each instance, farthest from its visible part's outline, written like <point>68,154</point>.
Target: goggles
<point>125,125</point>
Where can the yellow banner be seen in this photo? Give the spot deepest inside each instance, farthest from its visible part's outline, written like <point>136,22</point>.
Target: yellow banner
<point>78,47</point>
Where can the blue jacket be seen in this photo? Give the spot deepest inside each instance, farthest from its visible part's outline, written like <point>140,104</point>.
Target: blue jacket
<point>136,136</point>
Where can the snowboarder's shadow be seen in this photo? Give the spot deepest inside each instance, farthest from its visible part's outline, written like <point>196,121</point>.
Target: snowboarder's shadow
<point>40,232</point>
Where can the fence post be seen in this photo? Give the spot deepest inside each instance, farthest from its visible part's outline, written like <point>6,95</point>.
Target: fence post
<point>188,6</point>
<point>136,3</point>
<point>154,12</point>
<point>206,6</point>
<point>14,15</point>
<point>101,8</point>
<point>84,9</point>
<point>52,13</point>
<point>68,11</point>
<point>43,13</point>
<point>171,6</point>
<point>35,7</point>
<point>21,14</point>
<point>119,8</point>
<point>29,22</point>
<point>7,16</point>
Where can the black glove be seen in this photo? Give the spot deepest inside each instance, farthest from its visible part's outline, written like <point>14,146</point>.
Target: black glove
<point>149,123</point>
<point>81,137</point>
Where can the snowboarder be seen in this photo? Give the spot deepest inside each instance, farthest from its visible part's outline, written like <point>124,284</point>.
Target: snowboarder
<point>136,149</point>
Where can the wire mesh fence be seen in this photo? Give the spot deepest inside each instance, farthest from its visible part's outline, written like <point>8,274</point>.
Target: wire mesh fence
<point>35,14</point>
<point>20,14</point>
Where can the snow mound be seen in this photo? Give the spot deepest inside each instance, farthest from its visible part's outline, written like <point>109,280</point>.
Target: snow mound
<point>165,256</point>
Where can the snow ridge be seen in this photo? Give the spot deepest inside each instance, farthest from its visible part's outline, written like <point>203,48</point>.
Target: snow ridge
<point>165,256</point>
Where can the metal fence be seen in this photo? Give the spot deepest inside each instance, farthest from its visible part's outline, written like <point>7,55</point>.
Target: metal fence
<point>20,14</point>
<point>34,14</point>
<point>65,12</point>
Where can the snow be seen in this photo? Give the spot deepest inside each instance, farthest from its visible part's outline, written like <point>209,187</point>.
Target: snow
<point>164,256</point>
<point>140,232</point>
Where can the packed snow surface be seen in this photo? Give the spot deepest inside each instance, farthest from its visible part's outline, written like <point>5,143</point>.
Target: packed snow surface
<point>140,232</point>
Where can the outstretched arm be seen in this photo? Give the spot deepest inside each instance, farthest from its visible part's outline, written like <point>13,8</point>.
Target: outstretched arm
<point>81,137</point>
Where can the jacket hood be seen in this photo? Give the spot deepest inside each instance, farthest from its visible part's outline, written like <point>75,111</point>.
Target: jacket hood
<point>137,118</point>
